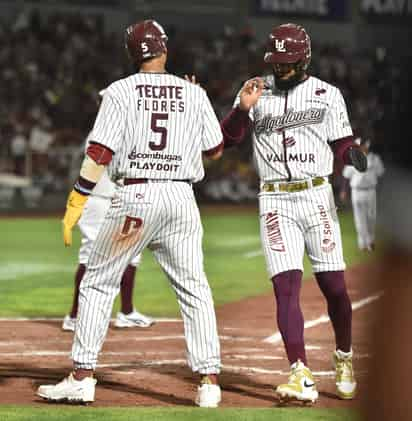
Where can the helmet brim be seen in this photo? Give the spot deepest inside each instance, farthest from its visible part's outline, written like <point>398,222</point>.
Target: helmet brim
<point>282,58</point>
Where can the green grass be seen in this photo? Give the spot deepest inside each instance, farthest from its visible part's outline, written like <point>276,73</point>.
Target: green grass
<point>65,413</point>
<point>36,279</point>
<point>36,270</point>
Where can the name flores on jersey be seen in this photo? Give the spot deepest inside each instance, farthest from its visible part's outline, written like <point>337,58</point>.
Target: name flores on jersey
<point>291,119</point>
<point>291,157</point>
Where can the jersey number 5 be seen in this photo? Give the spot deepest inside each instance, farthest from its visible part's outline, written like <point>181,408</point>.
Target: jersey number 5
<point>156,117</point>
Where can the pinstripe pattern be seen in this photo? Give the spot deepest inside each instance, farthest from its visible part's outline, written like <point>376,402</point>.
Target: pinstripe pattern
<point>124,124</point>
<point>161,214</point>
<point>172,229</point>
<point>304,219</point>
<point>292,132</point>
<point>90,222</point>
<point>308,153</point>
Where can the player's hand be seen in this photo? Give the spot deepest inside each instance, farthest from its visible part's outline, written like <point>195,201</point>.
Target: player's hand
<point>250,93</point>
<point>358,159</point>
<point>192,79</point>
<point>74,208</point>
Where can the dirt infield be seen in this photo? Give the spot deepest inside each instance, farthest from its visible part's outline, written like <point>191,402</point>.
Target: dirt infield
<point>148,368</point>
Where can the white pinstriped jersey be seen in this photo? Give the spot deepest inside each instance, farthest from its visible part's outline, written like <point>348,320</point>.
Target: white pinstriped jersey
<point>292,130</point>
<point>157,124</point>
<point>367,179</point>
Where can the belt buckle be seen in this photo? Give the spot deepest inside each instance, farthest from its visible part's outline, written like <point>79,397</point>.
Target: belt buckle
<point>318,181</point>
<point>268,187</point>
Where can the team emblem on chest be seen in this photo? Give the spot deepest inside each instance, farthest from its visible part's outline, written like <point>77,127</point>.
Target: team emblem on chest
<point>290,119</point>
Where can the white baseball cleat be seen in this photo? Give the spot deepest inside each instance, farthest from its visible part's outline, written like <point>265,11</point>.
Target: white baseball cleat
<point>300,386</point>
<point>208,395</point>
<point>69,323</point>
<point>345,376</point>
<point>69,390</point>
<point>133,319</point>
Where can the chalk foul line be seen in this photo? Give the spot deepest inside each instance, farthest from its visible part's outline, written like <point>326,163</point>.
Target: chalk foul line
<point>277,337</point>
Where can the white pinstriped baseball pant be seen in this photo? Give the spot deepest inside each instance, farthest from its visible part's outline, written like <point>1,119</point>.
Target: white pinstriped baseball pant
<point>291,223</point>
<point>364,213</point>
<point>89,224</point>
<point>172,229</point>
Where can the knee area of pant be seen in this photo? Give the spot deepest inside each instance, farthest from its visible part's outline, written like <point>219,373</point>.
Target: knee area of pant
<point>332,284</point>
<point>287,283</point>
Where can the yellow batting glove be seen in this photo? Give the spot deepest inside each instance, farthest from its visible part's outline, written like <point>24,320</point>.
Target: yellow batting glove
<point>74,208</point>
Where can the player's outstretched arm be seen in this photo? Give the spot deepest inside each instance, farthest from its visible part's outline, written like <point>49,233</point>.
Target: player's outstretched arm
<point>96,159</point>
<point>250,93</point>
<point>237,122</point>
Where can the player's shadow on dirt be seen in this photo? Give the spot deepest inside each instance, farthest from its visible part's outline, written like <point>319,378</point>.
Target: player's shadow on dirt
<point>49,376</point>
<point>56,324</point>
<point>229,382</point>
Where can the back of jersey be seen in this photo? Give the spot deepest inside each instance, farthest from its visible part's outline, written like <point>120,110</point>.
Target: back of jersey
<point>157,125</point>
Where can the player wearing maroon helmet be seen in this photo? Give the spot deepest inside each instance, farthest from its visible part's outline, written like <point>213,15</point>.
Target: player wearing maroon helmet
<point>299,124</point>
<point>151,132</point>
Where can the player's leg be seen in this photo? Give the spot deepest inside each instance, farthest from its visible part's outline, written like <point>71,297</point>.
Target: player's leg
<point>179,252</point>
<point>283,246</point>
<point>89,224</point>
<point>360,216</point>
<point>128,316</point>
<point>125,231</point>
<point>371,218</point>
<point>324,248</point>
<point>124,234</point>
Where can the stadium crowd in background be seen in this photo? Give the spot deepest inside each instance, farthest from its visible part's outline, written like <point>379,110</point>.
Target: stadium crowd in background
<point>52,69</point>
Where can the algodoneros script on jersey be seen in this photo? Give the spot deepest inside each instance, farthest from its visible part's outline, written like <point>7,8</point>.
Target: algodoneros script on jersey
<point>292,129</point>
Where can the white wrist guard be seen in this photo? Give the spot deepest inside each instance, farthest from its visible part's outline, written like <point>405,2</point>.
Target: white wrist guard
<point>90,170</point>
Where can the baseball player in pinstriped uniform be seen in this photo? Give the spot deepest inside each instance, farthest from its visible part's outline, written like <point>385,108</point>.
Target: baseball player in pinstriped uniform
<point>151,131</point>
<point>299,123</point>
<point>363,187</point>
<point>89,224</point>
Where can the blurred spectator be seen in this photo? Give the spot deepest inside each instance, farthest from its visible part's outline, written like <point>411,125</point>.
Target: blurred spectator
<point>18,151</point>
<point>40,142</point>
<point>52,68</point>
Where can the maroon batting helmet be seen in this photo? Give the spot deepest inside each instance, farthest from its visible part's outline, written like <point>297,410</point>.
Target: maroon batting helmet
<point>289,43</point>
<point>145,40</point>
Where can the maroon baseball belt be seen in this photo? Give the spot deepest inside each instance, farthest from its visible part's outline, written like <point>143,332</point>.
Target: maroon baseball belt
<point>293,186</point>
<point>129,181</point>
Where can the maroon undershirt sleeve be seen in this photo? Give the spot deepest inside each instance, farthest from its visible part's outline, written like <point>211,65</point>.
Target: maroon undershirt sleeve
<point>235,126</point>
<point>213,151</point>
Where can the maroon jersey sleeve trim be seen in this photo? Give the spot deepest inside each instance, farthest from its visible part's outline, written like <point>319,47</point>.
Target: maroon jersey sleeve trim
<point>100,154</point>
<point>215,150</point>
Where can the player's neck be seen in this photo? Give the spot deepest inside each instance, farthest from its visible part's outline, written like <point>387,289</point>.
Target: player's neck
<point>154,70</point>
<point>155,65</point>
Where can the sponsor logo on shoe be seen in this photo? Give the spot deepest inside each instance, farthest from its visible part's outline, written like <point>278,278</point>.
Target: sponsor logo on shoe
<point>306,384</point>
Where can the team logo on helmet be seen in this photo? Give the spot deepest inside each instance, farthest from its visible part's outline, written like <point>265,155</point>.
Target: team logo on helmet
<point>280,45</point>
